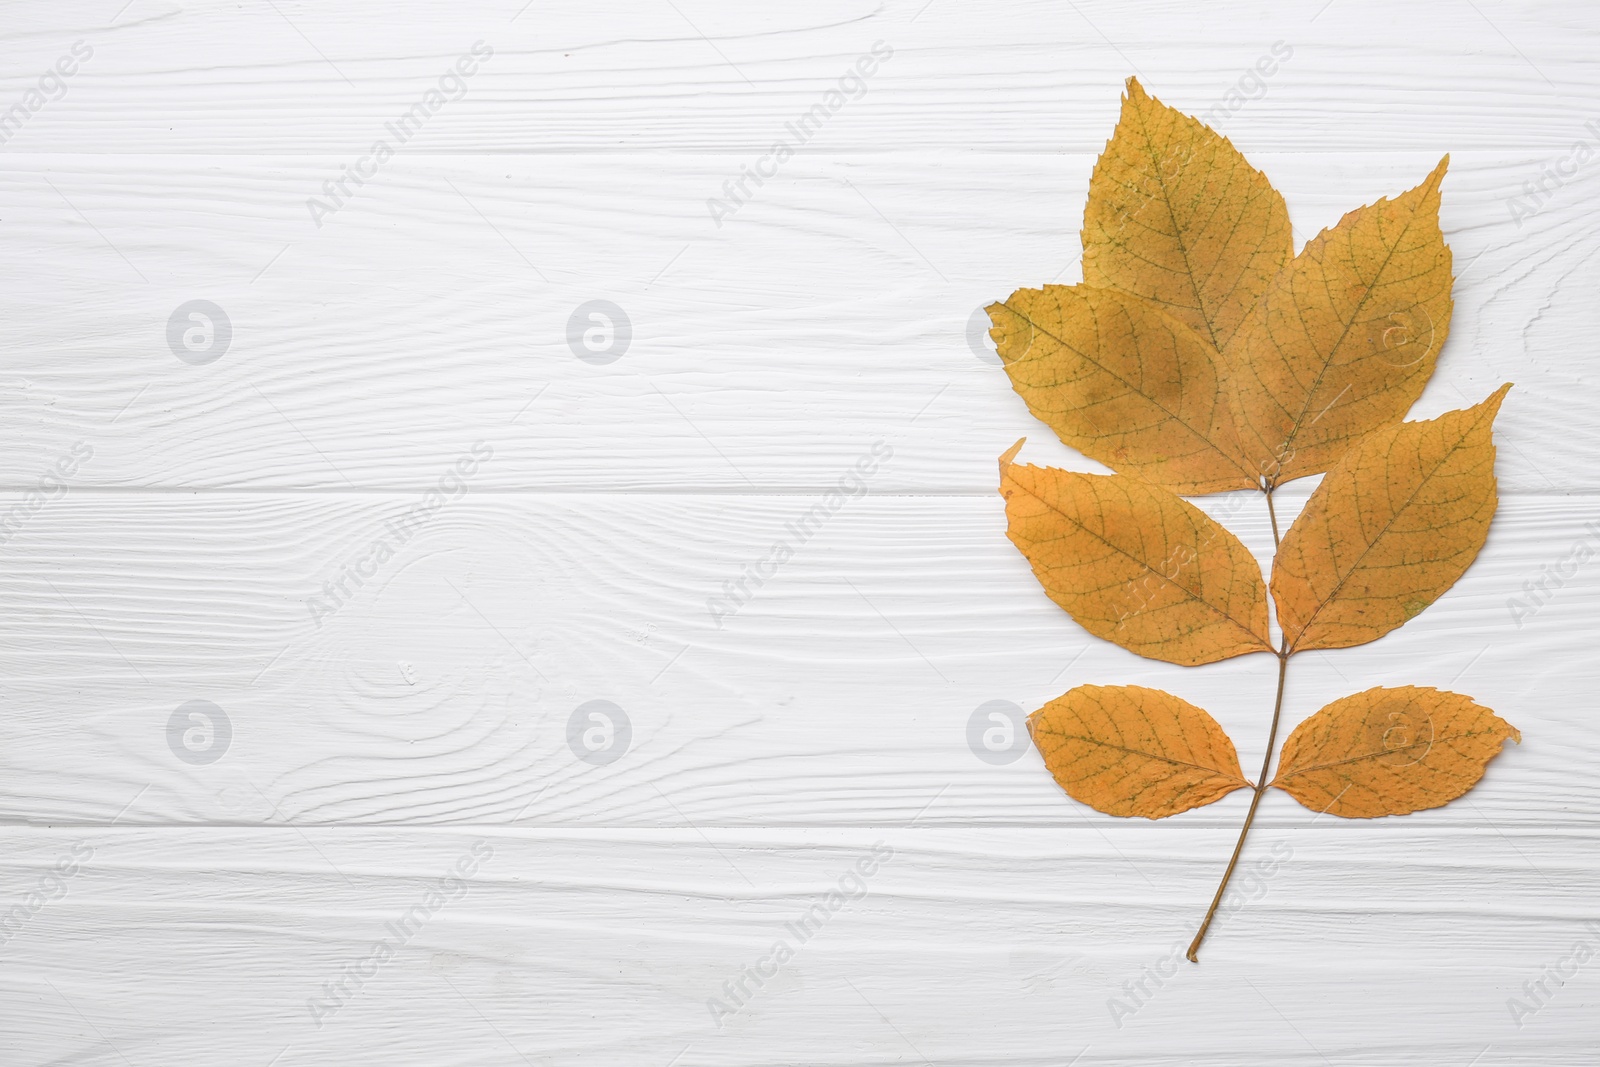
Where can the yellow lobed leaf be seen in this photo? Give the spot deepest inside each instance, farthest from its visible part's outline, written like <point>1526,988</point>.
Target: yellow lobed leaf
<point>1128,750</point>
<point>1124,383</point>
<point>1176,215</point>
<point>1135,564</point>
<point>1346,338</point>
<point>1390,752</point>
<point>1389,529</point>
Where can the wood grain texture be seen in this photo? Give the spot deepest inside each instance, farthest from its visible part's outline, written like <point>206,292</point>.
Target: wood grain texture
<point>839,693</point>
<point>967,946</point>
<point>764,354</point>
<point>210,77</point>
<point>167,527</point>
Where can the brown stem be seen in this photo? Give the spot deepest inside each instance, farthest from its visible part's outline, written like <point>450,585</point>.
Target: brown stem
<point>1271,511</point>
<point>1255,802</point>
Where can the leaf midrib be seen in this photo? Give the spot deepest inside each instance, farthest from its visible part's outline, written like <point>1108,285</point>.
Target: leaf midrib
<point>1381,533</point>
<point>1265,645</point>
<point>1219,398</point>
<point>1327,361</point>
<point>1229,775</point>
<point>1297,772</point>
<point>1177,232</point>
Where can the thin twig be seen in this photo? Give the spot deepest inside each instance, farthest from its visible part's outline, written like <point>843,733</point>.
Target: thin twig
<point>1255,802</point>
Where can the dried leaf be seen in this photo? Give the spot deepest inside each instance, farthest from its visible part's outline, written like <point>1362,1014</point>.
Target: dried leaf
<point>1346,338</point>
<point>1390,752</point>
<point>1200,355</point>
<point>1388,530</point>
<point>1177,216</point>
<point>1124,383</point>
<point>1136,565</point>
<point>1128,750</point>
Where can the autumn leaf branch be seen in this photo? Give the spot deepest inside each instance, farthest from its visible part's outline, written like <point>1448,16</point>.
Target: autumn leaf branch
<point>1201,355</point>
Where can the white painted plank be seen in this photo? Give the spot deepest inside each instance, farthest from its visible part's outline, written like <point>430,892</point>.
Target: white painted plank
<point>442,688</point>
<point>287,77</point>
<point>1349,944</point>
<point>832,311</point>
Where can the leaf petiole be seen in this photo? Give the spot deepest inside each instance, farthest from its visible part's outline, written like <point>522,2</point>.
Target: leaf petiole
<point>1255,802</point>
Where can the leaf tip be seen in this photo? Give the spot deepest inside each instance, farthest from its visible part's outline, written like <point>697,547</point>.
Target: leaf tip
<point>1491,403</point>
<point>1009,455</point>
<point>1430,185</point>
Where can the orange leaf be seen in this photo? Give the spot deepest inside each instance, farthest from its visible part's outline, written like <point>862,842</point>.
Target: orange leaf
<point>1346,338</point>
<point>1122,381</point>
<point>1388,530</point>
<point>1177,216</point>
<point>1128,750</point>
<point>1390,752</point>
<point>1201,355</point>
<point>1136,565</point>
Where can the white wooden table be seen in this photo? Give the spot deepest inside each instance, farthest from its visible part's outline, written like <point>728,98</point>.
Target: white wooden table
<point>375,841</point>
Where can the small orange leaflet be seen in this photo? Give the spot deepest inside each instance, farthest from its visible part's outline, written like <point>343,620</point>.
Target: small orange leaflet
<point>1135,564</point>
<point>1128,750</point>
<point>1389,529</point>
<point>1390,752</point>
